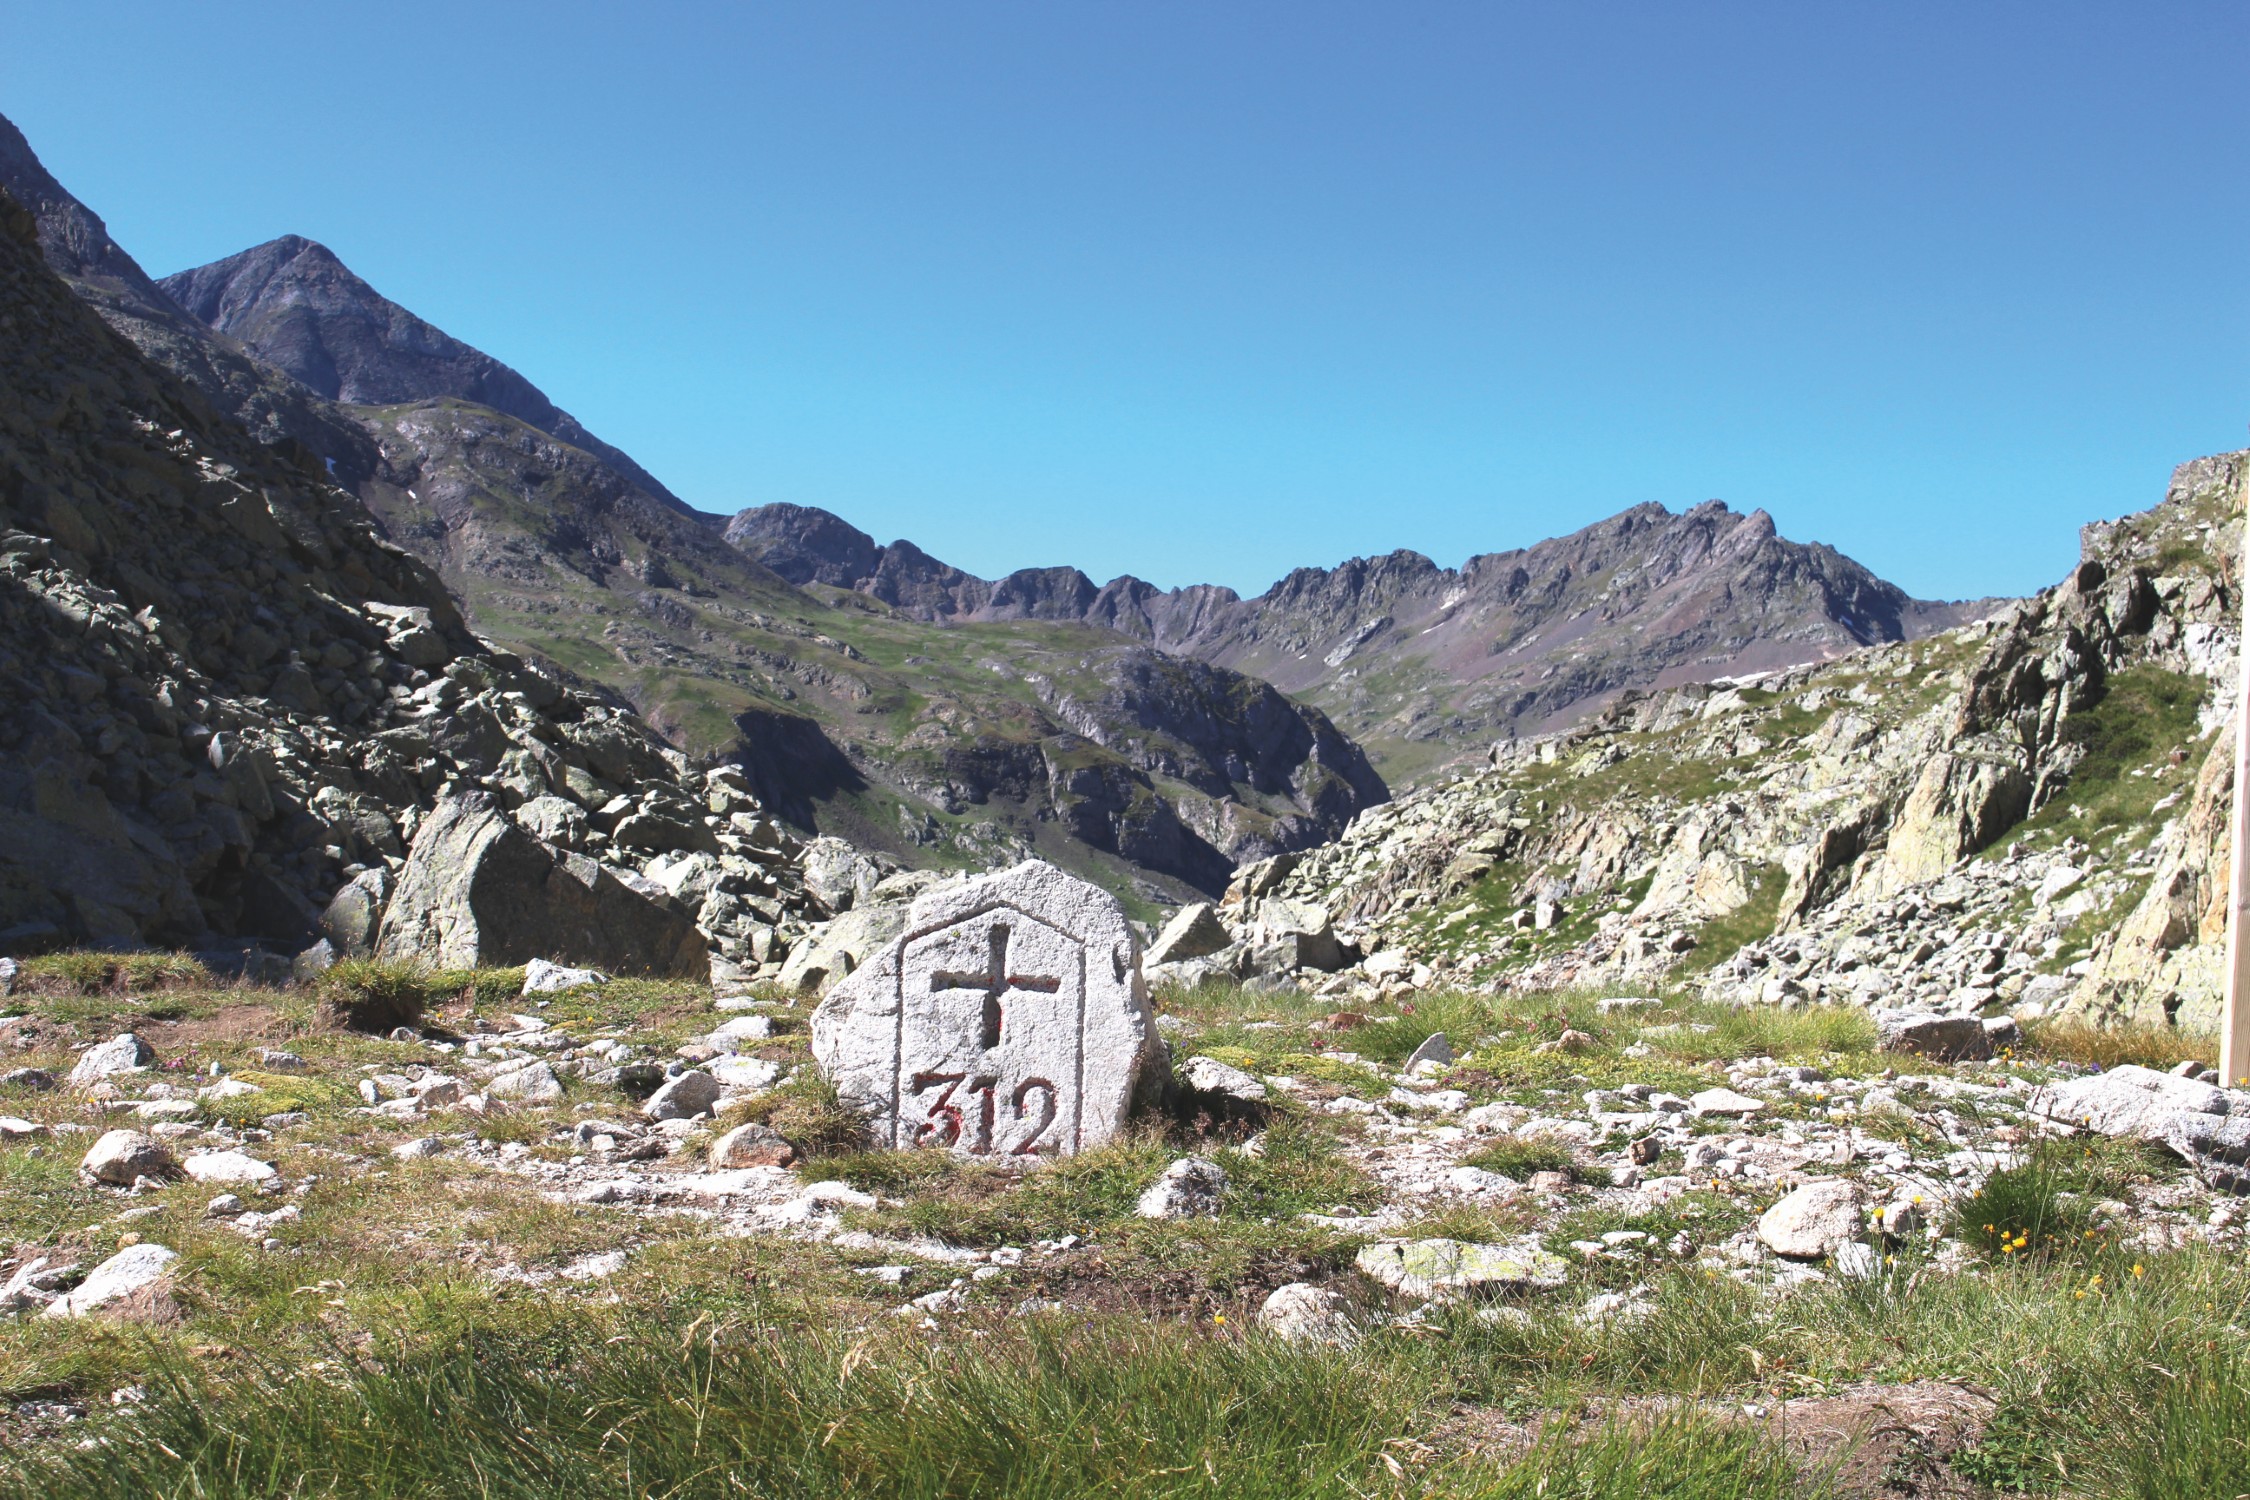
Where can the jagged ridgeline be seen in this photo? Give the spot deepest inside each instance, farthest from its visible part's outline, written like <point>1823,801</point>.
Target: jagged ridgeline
<point>2028,812</point>
<point>228,705</point>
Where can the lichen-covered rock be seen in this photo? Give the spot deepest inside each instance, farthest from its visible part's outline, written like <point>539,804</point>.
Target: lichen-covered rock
<point>1439,1268</point>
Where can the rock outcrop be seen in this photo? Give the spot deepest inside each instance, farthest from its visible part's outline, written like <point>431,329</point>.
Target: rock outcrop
<point>2027,814</point>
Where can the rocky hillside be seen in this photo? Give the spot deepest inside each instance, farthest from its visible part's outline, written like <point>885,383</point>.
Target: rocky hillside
<point>77,245</point>
<point>2026,813</point>
<point>233,717</point>
<point>1417,661</point>
<point>560,548</point>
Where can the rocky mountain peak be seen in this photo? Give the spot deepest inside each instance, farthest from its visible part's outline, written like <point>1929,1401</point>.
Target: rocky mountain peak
<point>295,305</point>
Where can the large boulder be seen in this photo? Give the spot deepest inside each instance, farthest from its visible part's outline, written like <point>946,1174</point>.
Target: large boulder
<point>1195,931</point>
<point>836,948</point>
<point>478,890</point>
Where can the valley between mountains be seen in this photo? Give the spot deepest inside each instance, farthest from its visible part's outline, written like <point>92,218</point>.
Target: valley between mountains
<point>1652,1011</point>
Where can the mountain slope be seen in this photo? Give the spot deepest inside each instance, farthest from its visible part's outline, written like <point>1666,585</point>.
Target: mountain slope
<point>567,551</point>
<point>225,700</point>
<point>1419,662</point>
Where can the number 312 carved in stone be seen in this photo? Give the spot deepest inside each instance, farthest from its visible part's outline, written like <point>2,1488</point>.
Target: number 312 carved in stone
<point>948,1123</point>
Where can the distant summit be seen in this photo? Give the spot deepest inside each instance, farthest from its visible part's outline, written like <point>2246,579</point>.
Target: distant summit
<point>1405,653</point>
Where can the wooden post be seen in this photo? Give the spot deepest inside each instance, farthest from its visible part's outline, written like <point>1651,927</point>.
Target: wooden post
<point>2234,1015</point>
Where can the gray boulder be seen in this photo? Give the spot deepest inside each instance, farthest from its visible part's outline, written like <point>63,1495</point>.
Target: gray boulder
<point>123,1157</point>
<point>1195,931</point>
<point>1928,1034</point>
<point>478,890</point>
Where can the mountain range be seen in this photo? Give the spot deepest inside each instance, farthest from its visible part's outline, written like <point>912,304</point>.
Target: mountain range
<point>1153,738</point>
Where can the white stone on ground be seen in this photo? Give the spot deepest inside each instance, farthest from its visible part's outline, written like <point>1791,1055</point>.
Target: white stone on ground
<point>543,978</point>
<point>1300,1311</point>
<point>1189,1188</point>
<point>124,1053</point>
<point>1813,1220</point>
<point>126,1272</point>
<point>1207,1075</point>
<point>122,1156</point>
<point>534,1084</point>
<point>228,1166</point>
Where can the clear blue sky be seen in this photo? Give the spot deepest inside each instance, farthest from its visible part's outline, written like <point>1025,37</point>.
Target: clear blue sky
<point>1203,291</point>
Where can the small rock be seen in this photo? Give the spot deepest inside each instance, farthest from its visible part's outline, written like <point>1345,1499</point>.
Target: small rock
<point>1188,1188</point>
<point>1857,1262</point>
<point>1723,1103</point>
<point>122,1157</point>
<point>1301,1312</point>
<point>228,1166</point>
<point>730,1035</point>
<point>126,1272</point>
<point>536,1084</point>
<point>1551,1182</point>
<point>38,1080</point>
<point>1207,1075</point>
<point>124,1053</point>
<point>225,1206</point>
<point>1928,1034</point>
<point>437,1091</point>
<point>1436,1049</point>
<point>745,1072</point>
<point>752,1146</point>
<point>418,1150</point>
<point>13,1128</point>
<point>1812,1221</point>
<point>684,1097</point>
<point>543,978</point>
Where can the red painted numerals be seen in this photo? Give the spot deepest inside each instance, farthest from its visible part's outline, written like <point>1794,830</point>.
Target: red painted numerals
<point>969,1122</point>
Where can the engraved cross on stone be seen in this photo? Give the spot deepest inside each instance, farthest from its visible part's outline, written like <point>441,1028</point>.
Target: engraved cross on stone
<point>995,981</point>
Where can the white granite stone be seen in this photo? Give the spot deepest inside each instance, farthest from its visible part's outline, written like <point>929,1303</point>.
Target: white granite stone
<point>1008,1020</point>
